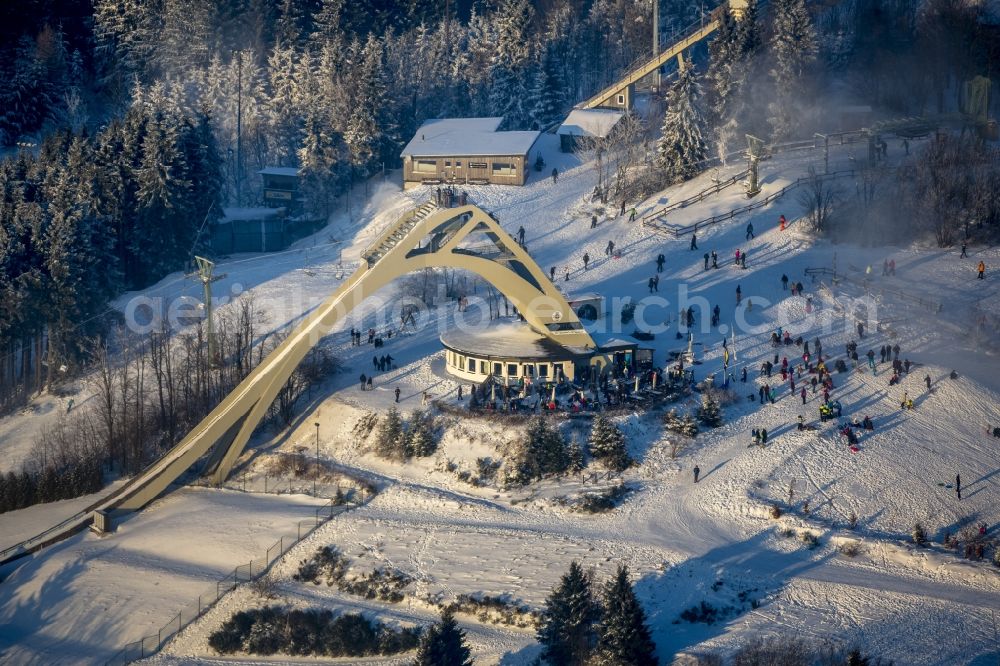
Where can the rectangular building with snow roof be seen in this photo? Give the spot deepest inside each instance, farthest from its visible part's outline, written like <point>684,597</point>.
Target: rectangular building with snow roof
<point>466,150</point>
<point>583,124</point>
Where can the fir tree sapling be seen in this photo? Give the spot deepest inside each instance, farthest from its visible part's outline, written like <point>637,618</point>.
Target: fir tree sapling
<point>709,413</point>
<point>607,444</point>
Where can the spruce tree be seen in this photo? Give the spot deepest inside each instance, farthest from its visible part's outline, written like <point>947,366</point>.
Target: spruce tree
<point>443,644</point>
<point>607,444</point>
<point>389,436</point>
<point>547,91</point>
<point>709,413</point>
<point>623,637</point>
<point>420,439</point>
<point>795,47</point>
<point>682,146</point>
<point>689,426</point>
<point>567,630</point>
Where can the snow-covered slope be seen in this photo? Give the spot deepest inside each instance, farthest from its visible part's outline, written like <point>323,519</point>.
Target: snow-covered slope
<point>685,543</point>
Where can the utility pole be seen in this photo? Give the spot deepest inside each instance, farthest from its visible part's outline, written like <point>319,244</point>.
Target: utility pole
<point>204,274</point>
<point>754,149</point>
<point>239,127</point>
<point>316,472</point>
<point>656,38</point>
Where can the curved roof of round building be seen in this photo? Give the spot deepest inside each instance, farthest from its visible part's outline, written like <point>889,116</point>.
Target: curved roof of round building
<point>508,341</point>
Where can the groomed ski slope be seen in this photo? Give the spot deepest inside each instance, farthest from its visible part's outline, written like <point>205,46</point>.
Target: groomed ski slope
<point>679,539</point>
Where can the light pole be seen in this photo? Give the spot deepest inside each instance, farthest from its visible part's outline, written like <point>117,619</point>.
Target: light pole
<point>316,472</point>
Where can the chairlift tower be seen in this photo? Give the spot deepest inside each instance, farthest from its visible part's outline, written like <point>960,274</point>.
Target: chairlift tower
<point>206,268</point>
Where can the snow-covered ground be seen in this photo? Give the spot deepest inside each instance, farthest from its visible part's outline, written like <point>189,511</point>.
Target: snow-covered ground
<point>685,543</point>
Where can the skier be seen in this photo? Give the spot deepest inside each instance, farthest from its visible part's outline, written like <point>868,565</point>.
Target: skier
<point>803,394</point>
<point>781,223</point>
<point>586,260</point>
<point>397,392</point>
<point>593,221</point>
<point>697,471</point>
<point>784,282</point>
<point>656,283</point>
<point>982,270</point>
<point>552,273</point>
<point>739,294</point>
<point>906,366</point>
<point>749,230</point>
<point>610,248</point>
<point>706,261</point>
<point>754,437</point>
<point>650,284</point>
<point>958,486</point>
<point>694,241</point>
<point>763,435</point>
<point>369,384</point>
<point>861,330</point>
<point>632,214</point>
<point>743,376</point>
<point>871,361</point>
<point>927,380</point>
<point>743,260</point>
<point>659,262</point>
<point>567,275</point>
<point>375,362</point>
<point>737,256</point>
<point>964,255</point>
<point>622,211</point>
<point>520,235</point>
<point>715,315</point>
<point>363,380</point>
<point>555,175</point>
<point>715,259</point>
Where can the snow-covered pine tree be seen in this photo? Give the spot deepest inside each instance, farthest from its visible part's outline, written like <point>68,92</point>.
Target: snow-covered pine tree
<point>420,440</point>
<point>327,22</point>
<point>284,119</point>
<point>682,145</point>
<point>443,644</point>
<point>389,436</point>
<point>607,444</point>
<point>548,94</point>
<point>919,535</point>
<point>547,445</point>
<point>709,413</point>
<point>368,126</point>
<point>288,30</point>
<point>794,48</point>
<point>672,421</point>
<point>622,634</point>
<point>507,94</point>
<point>723,64</point>
<point>689,426</point>
<point>521,465</point>
<point>567,629</point>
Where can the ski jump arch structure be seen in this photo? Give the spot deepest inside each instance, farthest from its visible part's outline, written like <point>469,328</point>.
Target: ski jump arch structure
<point>427,236</point>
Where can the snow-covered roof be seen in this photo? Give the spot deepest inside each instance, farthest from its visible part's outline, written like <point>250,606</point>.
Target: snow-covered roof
<point>260,213</point>
<point>448,137</point>
<point>506,341</point>
<point>279,171</point>
<point>590,122</point>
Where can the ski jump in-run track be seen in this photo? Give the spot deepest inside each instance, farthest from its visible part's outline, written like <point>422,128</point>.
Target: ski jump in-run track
<point>426,236</point>
<point>619,94</point>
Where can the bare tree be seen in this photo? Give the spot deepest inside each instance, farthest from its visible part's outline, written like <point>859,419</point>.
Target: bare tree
<point>818,198</point>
